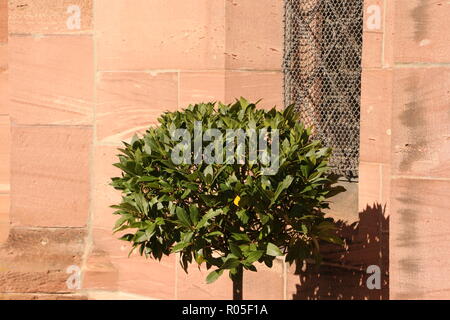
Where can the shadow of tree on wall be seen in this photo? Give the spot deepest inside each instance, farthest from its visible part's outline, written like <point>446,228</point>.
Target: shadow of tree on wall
<point>342,275</point>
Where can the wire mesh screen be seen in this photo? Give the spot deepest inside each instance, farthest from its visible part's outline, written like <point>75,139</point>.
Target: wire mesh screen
<point>322,68</point>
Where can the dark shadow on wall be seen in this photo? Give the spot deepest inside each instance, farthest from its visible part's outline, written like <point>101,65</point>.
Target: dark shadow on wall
<point>342,274</point>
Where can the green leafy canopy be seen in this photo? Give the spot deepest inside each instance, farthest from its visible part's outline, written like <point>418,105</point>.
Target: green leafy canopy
<point>226,216</point>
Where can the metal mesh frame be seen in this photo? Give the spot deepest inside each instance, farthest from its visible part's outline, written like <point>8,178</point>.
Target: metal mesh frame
<point>322,73</point>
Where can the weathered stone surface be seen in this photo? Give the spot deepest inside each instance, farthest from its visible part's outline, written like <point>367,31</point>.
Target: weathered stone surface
<point>38,296</point>
<point>3,21</point>
<point>389,34</point>
<point>109,267</point>
<point>374,185</point>
<point>420,123</point>
<point>422,32</point>
<point>192,285</point>
<point>196,87</point>
<point>100,272</point>
<point>136,98</point>
<point>266,284</point>
<point>370,184</point>
<point>254,34</point>
<point>5,147</point>
<point>162,34</point>
<point>36,260</point>
<point>4,84</point>
<point>255,85</point>
<point>51,79</point>
<point>373,50</point>
<point>49,16</point>
<point>420,238</point>
<point>376,114</point>
<point>4,216</point>
<point>50,176</point>
<point>104,194</point>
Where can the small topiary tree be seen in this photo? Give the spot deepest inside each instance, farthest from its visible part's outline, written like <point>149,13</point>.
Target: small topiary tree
<point>232,214</point>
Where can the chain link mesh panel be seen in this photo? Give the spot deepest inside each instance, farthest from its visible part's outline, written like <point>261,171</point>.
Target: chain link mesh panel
<point>322,69</point>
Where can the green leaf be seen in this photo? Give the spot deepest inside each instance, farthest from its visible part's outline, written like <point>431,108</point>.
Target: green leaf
<point>209,174</point>
<point>193,213</point>
<point>208,216</point>
<point>281,187</point>
<point>180,246</point>
<point>243,216</point>
<point>240,237</point>
<point>147,149</point>
<point>254,256</point>
<point>273,250</point>
<point>141,203</point>
<point>304,229</point>
<point>218,173</point>
<point>141,237</point>
<point>235,250</point>
<point>185,193</point>
<point>213,276</point>
<point>231,263</point>
<point>183,217</point>
<point>122,219</point>
<point>147,179</point>
<point>214,233</point>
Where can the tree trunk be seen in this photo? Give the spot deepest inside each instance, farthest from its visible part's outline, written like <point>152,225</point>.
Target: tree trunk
<point>237,283</point>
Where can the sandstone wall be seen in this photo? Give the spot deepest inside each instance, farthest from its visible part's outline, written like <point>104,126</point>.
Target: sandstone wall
<point>83,75</point>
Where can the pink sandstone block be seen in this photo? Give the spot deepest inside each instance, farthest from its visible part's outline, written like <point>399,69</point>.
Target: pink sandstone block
<point>135,274</point>
<point>50,176</point>
<point>421,32</point>
<point>374,186</point>
<point>104,194</point>
<point>5,150</point>
<point>41,296</point>
<point>370,184</point>
<point>3,21</point>
<point>265,284</point>
<point>4,216</point>
<point>389,34</point>
<point>192,285</point>
<point>161,34</point>
<point>419,239</point>
<point>37,260</point>
<point>136,98</point>
<point>148,277</point>
<point>254,34</point>
<point>420,127</point>
<point>372,54</point>
<point>255,85</point>
<point>4,84</point>
<point>376,105</point>
<point>50,16</point>
<point>100,273</point>
<point>386,186</point>
<point>52,79</point>
<point>196,87</point>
